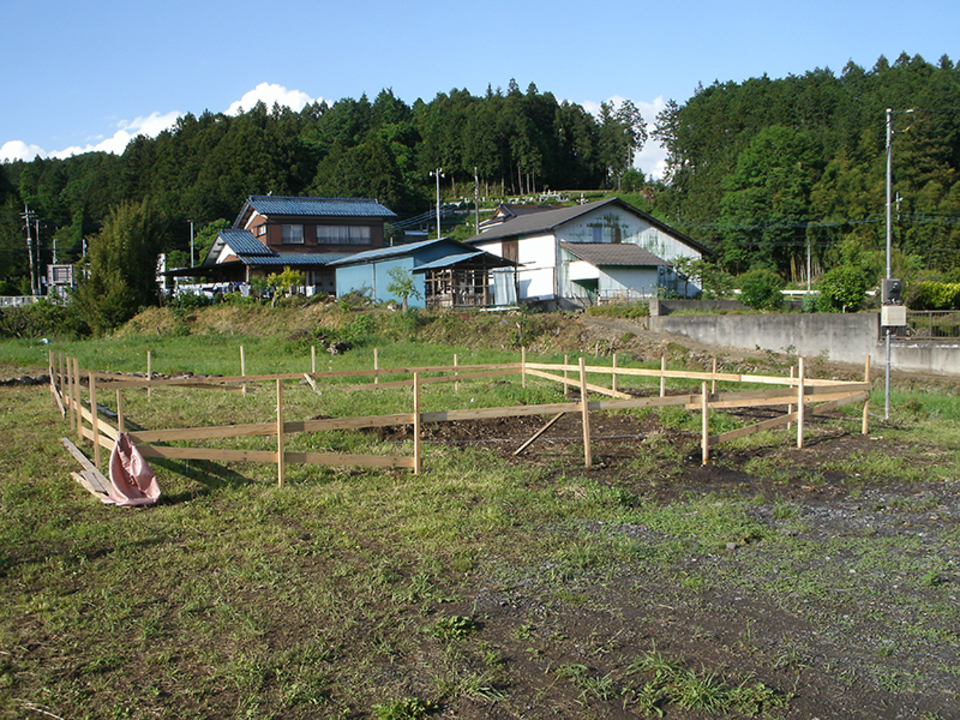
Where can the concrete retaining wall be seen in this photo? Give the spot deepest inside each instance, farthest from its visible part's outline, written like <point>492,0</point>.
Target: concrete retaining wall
<point>845,338</point>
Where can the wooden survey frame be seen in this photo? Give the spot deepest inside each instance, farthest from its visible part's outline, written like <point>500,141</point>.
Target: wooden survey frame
<point>798,393</point>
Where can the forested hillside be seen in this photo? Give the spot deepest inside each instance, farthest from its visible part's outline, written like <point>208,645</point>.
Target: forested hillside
<point>205,166</point>
<point>758,169</point>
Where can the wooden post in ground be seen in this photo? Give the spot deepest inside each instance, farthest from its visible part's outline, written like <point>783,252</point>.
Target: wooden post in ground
<point>376,366</point>
<point>281,465</point>
<point>585,415</point>
<point>61,379</point>
<point>243,368</point>
<point>76,387</point>
<point>456,374</point>
<point>801,406</point>
<point>705,424</point>
<point>713,387</point>
<point>94,420</point>
<point>65,380</point>
<point>313,358</point>
<point>71,394</point>
<point>523,367</point>
<point>866,403</point>
<point>417,460</point>
<point>52,375</point>
<point>793,374</point>
<point>121,427</point>
<point>614,373</point>
<point>149,375</point>
<point>663,376</point>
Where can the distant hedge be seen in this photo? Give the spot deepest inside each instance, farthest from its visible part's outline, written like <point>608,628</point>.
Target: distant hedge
<point>930,295</point>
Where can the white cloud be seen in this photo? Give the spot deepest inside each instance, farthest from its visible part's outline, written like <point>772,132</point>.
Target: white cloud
<point>268,94</point>
<point>19,150</point>
<point>155,123</point>
<point>150,126</point>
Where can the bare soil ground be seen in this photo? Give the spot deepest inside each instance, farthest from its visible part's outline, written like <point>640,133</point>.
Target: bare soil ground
<point>855,650</point>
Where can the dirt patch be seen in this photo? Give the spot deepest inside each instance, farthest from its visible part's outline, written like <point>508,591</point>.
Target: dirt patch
<point>839,595</point>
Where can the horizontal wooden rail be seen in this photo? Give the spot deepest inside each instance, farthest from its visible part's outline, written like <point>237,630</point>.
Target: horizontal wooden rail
<point>116,381</point>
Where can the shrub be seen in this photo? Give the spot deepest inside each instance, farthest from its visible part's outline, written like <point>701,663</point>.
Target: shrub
<point>842,289</point>
<point>620,310</point>
<point>43,319</point>
<point>760,289</point>
<point>930,295</point>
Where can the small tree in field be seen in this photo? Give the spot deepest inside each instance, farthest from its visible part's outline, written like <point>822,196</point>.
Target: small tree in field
<point>284,283</point>
<point>402,285</point>
<point>842,289</point>
<point>760,289</point>
<point>123,267</point>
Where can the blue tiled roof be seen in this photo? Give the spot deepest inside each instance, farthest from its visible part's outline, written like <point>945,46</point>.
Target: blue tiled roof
<point>292,259</point>
<point>242,242</point>
<point>251,251</point>
<point>398,251</point>
<point>328,207</point>
<point>452,260</point>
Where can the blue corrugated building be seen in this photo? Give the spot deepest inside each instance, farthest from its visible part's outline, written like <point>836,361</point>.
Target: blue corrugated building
<point>445,272</point>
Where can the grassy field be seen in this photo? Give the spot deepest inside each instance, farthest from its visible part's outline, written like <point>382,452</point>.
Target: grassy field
<point>779,583</point>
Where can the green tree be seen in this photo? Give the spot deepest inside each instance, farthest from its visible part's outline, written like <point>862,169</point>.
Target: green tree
<point>842,289</point>
<point>282,284</point>
<point>123,267</point>
<point>402,285</point>
<point>760,289</point>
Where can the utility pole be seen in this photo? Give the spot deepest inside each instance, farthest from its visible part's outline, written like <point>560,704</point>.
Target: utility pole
<point>886,330</point>
<point>438,173</point>
<point>27,216</point>
<point>36,225</point>
<point>476,199</point>
<point>191,244</point>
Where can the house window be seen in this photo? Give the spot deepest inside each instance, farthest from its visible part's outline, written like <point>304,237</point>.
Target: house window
<point>343,235</point>
<point>597,234</point>
<point>261,230</point>
<point>292,234</point>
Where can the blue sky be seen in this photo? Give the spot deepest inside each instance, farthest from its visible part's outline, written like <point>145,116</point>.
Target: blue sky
<point>91,75</point>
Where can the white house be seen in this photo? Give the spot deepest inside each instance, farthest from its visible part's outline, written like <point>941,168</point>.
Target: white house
<point>580,255</point>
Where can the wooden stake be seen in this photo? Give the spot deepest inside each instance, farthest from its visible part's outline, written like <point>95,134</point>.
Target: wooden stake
<point>553,421</point>
<point>456,374</point>
<point>76,387</point>
<point>61,378</point>
<point>614,386</point>
<point>243,368</point>
<point>663,376</point>
<point>523,367</point>
<point>417,460</point>
<point>866,403</point>
<point>585,415</point>
<point>149,375</point>
<point>801,406</point>
<point>313,358</point>
<point>281,467</point>
<point>713,388</point>
<point>121,427</point>
<point>705,424</point>
<point>71,395</point>
<point>94,420</point>
<point>793,374</point>
<point>376,366</point>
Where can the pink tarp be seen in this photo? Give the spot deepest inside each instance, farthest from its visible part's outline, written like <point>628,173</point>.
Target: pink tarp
<point>131,479</point>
